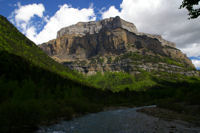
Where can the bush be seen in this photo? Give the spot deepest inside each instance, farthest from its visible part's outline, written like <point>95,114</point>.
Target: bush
<point>19,116</point>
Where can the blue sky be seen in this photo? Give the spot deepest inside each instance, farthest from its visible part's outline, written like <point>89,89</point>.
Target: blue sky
<point>40,20</point>
<point>51,6</point>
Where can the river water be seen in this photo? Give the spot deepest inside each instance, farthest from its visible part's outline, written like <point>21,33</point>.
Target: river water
<point>120,121</point>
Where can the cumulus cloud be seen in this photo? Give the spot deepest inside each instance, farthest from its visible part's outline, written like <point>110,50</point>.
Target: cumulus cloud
<point>196,63</point>
<point>150,16</point>
<point>65,16</point>
<point>161,17</point>
<point>111,12</point>
<point>192,50</point>
<point>23,14</point>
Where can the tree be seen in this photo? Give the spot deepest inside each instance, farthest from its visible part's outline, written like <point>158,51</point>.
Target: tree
<point>190,6</point>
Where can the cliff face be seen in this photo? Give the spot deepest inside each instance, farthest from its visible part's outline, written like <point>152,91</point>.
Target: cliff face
<point>115,45</point>
<point>93,27</point>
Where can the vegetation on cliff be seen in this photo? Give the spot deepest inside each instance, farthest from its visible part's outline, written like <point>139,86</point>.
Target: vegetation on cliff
<point>110,45</point>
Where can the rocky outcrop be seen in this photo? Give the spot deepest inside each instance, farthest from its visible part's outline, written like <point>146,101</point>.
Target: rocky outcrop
<point>83,28</point>
<point>115,45</point>
<point>163,41</point>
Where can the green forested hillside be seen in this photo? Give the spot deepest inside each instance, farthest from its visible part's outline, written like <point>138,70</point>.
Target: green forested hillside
<point>35,90</point>
<point>14,42</point>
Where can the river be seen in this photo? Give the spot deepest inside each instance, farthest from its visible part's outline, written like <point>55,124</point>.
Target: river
<point>126,120</point>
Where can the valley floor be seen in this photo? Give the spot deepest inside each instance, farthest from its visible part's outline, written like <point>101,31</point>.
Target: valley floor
<point>124,120</point>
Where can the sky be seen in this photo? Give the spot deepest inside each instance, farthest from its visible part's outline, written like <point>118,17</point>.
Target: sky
<point>40,20</point>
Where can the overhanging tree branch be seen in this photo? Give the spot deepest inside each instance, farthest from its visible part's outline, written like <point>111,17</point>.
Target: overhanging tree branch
<point>189,5</point>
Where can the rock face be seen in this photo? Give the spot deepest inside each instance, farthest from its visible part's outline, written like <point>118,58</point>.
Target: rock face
<point>95,27</point>
<point>115,45</point>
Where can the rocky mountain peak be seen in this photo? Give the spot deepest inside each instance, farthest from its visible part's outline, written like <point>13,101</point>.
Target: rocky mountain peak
<point>83,28</point>
<point>114,44</point>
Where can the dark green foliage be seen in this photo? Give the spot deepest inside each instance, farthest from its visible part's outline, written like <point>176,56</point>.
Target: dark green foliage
<point>34,88</point>
<point>181,96</point>
<point>40,96</point>
<point>16,116</point>
<point>190,6</point>
<point>31,95</point>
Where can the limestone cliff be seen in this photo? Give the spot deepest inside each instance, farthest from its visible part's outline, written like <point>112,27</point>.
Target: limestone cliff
<point>115,45</point>
<point>92,27</point>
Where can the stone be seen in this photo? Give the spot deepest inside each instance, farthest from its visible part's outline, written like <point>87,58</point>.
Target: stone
<point>83,28</point>
<point>115,45</point>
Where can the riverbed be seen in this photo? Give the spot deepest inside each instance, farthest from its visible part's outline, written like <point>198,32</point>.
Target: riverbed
<point>125,120</point>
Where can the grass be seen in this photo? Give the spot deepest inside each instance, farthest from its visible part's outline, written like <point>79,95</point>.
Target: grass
<point>119,81</point>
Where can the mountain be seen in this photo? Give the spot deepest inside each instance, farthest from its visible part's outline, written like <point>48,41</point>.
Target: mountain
<point>35,90</point>
<point>115,45</point>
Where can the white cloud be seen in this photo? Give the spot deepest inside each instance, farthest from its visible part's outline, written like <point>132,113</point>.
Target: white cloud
<point>111,12</point>
<point>31,32</point>
<point>196,63</point>
<point>161,17</point>
<point>23,14</point>
<point>65,16</point>
<point>192,49</point>
<point>151,16</point>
